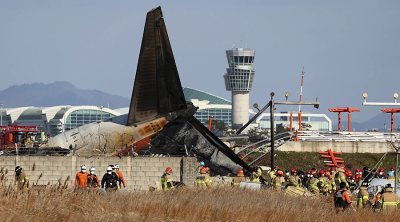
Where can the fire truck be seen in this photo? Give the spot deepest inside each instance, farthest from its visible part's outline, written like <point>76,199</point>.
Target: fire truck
<point>13,136</point>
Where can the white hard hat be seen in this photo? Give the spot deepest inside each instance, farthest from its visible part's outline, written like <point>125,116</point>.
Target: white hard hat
<point>116,166</point>
<point>92,169</point>
<point>83,167</point>
<point>109,168</point>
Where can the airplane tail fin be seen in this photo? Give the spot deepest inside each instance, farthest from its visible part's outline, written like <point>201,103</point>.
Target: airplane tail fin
<point>157,89</point>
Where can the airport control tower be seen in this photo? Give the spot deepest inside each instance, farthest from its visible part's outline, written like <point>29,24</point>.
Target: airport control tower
<point>239,79</point>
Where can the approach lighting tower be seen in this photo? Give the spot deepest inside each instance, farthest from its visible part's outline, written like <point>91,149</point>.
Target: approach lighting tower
<point>239,80</point>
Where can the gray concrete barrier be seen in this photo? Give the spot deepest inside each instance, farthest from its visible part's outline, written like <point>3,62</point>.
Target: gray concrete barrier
<point>342,146</point>
<point>139,172</point>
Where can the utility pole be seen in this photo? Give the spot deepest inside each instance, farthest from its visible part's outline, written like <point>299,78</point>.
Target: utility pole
<point>271,104</point>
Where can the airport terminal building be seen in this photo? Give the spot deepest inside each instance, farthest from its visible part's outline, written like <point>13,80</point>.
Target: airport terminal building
<point>57,119</point>
<point>209,105</point>
<point>54,120</point>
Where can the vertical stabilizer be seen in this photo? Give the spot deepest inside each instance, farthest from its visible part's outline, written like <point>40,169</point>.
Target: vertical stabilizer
<point>157,89</point>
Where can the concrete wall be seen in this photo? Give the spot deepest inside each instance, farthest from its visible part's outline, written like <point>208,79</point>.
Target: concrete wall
<point>344,147</point>
<point>139,172</point>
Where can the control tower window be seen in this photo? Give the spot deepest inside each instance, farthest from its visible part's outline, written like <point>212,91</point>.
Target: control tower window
<point>236,59</point>
<point>246,59</point>
<point>251,58</point>
<point>241,59</point>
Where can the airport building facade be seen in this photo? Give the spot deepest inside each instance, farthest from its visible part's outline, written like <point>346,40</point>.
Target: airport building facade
<point>315,122</point>
<point>209,105</point>
<point>55,120</point>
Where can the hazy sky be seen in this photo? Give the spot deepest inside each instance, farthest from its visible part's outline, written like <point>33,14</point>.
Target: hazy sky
<point>346,47</point>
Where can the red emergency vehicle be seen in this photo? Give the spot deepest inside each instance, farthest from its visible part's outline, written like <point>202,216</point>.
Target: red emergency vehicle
<point>13,136</point>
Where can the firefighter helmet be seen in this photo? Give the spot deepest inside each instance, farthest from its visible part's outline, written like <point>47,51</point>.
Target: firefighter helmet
<point>321,172</point>
<point>381,170</point>
<point>207,170</point>
<point>366,168</point>
<point>18,168</point>
<point>240,171</point>
<point>294,170</point>
<point>328,175</point>
<point>279,173</point>
<point>169,169</point>
<point>348,173</point>
<point>109,168</point>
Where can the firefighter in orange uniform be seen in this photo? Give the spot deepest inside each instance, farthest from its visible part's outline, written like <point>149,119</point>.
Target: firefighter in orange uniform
<point>120,177</point>
<point>342,198</point>
<point>81,178</point>
<point>93,182</point>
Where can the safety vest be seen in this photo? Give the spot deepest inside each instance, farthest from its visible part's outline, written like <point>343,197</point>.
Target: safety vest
<point>256,176</point>
<point>360,201</point>
<point>208,181</point>
<point>384,204</point>
<point>22,178</point>
<point>201,182</point>
<point>314,185</point>
<point>236,180</point>
<point>165,182</point>
<point>272,175</point>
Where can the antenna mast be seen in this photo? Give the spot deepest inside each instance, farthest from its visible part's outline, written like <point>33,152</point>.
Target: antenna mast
<point>301,87</point>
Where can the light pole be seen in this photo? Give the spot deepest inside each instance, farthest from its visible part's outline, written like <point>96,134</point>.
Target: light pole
<point>1,118</point>
<point>397,149</point>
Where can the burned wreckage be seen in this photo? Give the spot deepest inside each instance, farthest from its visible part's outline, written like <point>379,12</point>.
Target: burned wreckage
<point>159,121</point>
